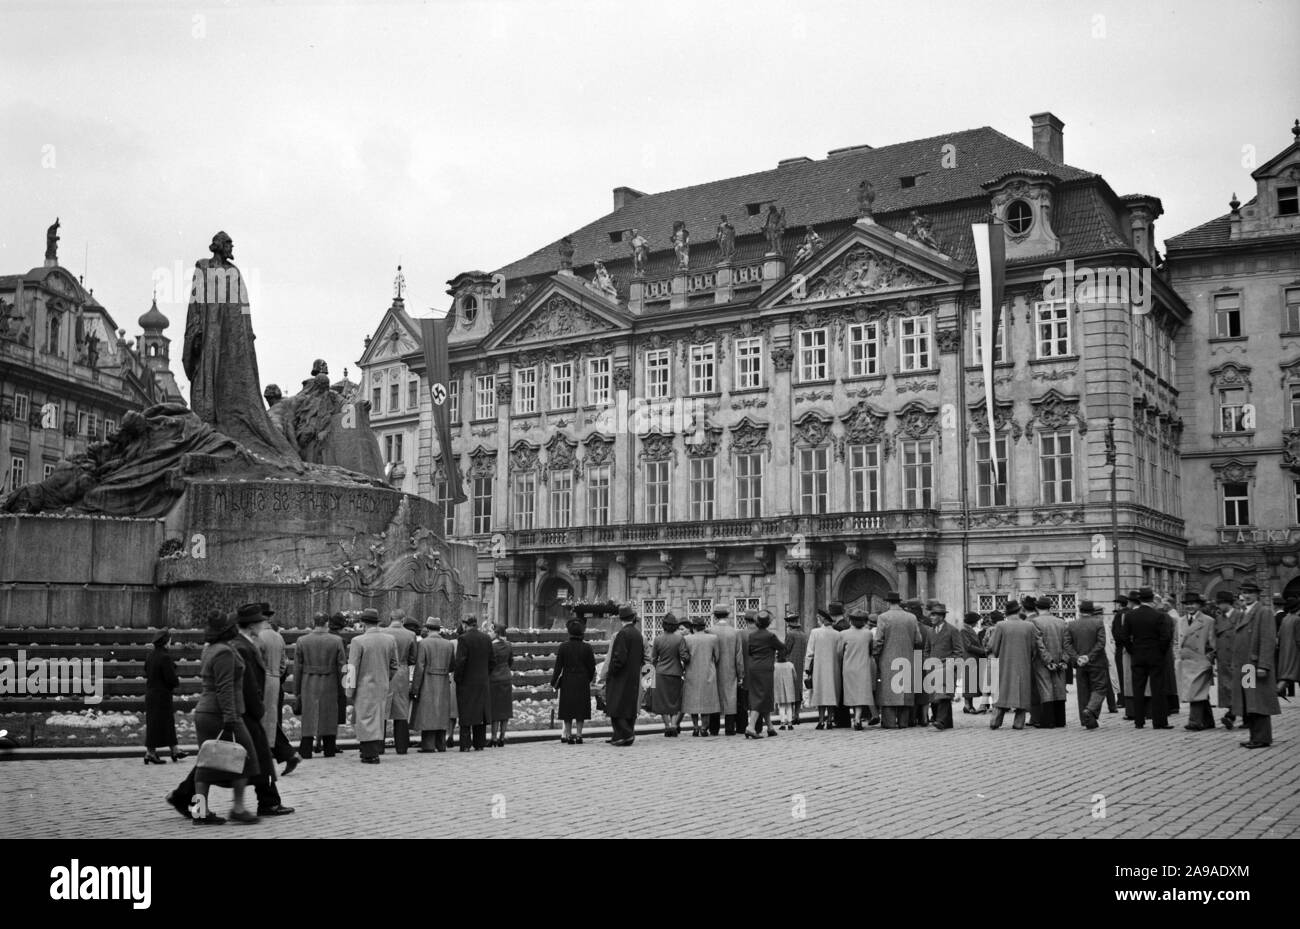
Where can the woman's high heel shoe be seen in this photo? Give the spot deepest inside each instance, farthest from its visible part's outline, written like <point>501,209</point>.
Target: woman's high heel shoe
<point>178,755</point>
<point>151,758</point>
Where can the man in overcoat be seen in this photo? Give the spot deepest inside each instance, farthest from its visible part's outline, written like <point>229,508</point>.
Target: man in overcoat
<point>1013,643</point>
<point>898,647</point>
<point>431,689</point>
<point>945,648</point>
<point>1148,638</point>
<point>1196,663</point>
<point>823,669</point>
<point>372,662</point>
<point>337,625</point>
<point>1224,624</point>
<point>1254,647</point>
<point>1288,650</point>
<point>857,668</point>
<point>318,663</point>
<point>1117,621</point>
<point>700,679</point>
<point>272,646</point>
<point>731,665</point>
<point>252,619</point>
<point>623,679</point>
<point>1085,650</point>
<point>796,645</point>
<point>1049,670</point>
<point>399,689</point>
<point>473,669</point>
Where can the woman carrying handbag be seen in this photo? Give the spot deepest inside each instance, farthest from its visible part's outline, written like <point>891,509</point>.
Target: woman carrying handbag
<point>219,725</point>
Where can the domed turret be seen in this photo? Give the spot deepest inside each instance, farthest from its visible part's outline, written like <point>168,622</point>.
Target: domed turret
<point>154,319</point>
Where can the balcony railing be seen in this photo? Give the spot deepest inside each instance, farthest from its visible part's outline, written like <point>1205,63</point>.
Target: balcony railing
<point>763,530</point>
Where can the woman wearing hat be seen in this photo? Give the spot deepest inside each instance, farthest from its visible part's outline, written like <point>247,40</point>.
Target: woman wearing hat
<point>503,701</point>
<point>575,669</point>
<point>219,714</point>
<point>160,681</point>
<point>762,651</point>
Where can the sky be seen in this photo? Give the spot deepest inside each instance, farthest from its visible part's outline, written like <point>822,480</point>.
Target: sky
<point>334,141</point>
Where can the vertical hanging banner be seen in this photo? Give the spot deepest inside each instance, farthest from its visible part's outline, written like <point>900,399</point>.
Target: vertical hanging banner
<point>991,253</point>
<point>433,334</point>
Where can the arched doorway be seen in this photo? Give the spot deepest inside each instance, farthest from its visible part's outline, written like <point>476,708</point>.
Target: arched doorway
<point>1292,589</point>
<point>551,594</point>
<point>863,589</point>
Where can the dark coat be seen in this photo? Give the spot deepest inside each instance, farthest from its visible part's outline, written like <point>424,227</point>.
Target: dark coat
<point>762,651</point>
<point>1147,634</point>
<point>623,680</point>
<point>159,681</point>
<point>575,669</point>
<point>319,658</point>
<point>254,682</point>
<point>1224,624</point>
<point>944,644</point>
<point>796,646</point>
<point>474,663</point>
<point>1254,642</point>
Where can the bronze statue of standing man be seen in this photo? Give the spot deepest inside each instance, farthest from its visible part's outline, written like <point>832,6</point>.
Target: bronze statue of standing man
<point>219,358</point>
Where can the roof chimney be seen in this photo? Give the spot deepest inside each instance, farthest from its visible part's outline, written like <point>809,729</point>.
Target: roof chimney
<point>847,150</point>
<point>797,160</point>
<point>1047,137</point>
<point>625,195</point>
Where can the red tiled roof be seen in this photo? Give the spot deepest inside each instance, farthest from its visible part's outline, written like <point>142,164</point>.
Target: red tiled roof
<point>823,193</point>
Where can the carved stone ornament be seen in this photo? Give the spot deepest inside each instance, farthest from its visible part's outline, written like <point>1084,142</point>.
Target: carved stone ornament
<point>748,328</point>
<point>561,454</point>
<point>523,456</point>
<point>1229,374</point>
<point>1053,412</point>
<point>947,340</point>
<point>812,429</point>
<point>622,378</point>
<point>657,447</point>
<point>861,270</point>
<point>748,436</point>
<point>863,425</point>
<point>558,318</point>
<point>1233,471</point>
<point>782,358</point>
<point>600,449</point>
<point>657,340</point>
<point>504,387</point>
<point>703,443</point>
<point>1057,517</point>
<point>1003,420</point>
<point>482,463</point>
<point>1291,449</point>
<point>917,422</point>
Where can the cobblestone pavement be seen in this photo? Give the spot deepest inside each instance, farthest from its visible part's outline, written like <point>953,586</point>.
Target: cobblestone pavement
<point>968,782</point>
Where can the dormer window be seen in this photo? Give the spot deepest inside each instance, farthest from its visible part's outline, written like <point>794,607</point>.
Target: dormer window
<point>1020,217</point>
<point>1288,201</point>
<point>907,181</point>
<point>616,236</point>
<point>469,309</point>
<point>753,209</point>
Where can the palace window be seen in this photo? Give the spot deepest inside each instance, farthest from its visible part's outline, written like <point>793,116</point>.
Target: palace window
<point>914,343</point>
<point>377,399</point>
<point>453,401</point>
<point>1056,467</point>
<point>83,420</point>
<point>1227,316</point>
<point>1236,503</point>
<point>1232,410</point>
<point>652,617</point>
<point>468,309</point>
<point>393,448</point>
<point>485,396</point>
<point>749,485</point>
<point>864,349</point>
<point>977,337</point>
<point>1288,201</point>
<point>413,394</point>
<point>442,493</point>
<point>657,373</point>
<point>394,397</point>
<point>702,488</point>
<point>812,355</point>
<point>700,609</point>
<point>1053,328</point>
<point>918,474</point>
<point>864,477</point>
<point>53,327</point>
<point>656,491</point>
<point>525,391</point>
<point>92,425</point>
<point>745,604</point>
<point>525,499</point>
<point>562,385</point>
<point>987,603</point>
<point>1140,466</point>
<point>561,499</point>
<point>598,481</point>
<point>1153,463</point>
<point>703,368</point>
<point>17,472</point>
<point>749,363</point>
<point>987,491</point>
<point>1064,605</point>
<point>1291,316</point>
<point>482,504</point>
<point>598,380</point>
<point>814,496</point>
<point>1020,217</point>
<point>22,407</point>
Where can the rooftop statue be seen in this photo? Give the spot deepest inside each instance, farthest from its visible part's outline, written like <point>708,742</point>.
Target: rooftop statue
<point>726,237</point>
<point>682,245</point>
<point>640,252</point>
<point>52,242</point>
<point>774,228</point>
<point>812,242</point>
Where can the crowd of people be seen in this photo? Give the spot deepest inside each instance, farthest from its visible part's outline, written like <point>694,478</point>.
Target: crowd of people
<point>900,668</point>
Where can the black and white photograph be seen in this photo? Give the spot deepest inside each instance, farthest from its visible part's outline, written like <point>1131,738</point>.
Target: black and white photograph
<point>580,393</point>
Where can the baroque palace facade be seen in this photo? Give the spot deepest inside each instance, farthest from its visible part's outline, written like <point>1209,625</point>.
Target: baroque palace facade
<point>1240,373</point>
<point>765,392</point>
<point>67,373</point>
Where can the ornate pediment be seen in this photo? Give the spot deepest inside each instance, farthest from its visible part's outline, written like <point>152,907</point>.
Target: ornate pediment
<point>1003,421</point>
<point>600,449</point>
<point>561,453</point>
<point>1230,374</point>
<point>864,424</point>
<point>749,436</point>
<point>523,456</point>
<point>1233,471</point>
<point>703,443</point>
<point>558,318</point>
<point>916,421</point>
<point>482,462</point>
<point>812,429</point>
<point>1054,411</point>
<point>860,271</point>
<point>657,446</point>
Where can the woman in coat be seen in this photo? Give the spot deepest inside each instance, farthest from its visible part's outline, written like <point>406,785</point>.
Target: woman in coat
<point>1196,663</point>
<point>700,682</point>
<point>219,714</point>
<point>502,700</point>
<point>857,668</point>
<point>822,670</point>
<point>432,691</point>
<point>762,651</point>
<point>160,682</point>
<point>575,669</point>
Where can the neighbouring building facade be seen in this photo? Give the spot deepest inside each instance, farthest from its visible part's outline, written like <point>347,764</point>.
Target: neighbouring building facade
<point>394,394</point>
<point>765,391</point>
<point>67,373</point>
<point>1239,372</point>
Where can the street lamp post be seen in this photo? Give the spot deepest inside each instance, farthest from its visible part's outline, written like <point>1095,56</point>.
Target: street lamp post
<point>1111,459</point>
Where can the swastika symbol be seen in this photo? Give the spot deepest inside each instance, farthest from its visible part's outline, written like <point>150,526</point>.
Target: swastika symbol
<point>439,393</point>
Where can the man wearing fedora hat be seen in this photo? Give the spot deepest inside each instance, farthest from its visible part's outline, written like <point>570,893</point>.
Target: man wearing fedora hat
<point>338,624</point>
<point>796,646</point>
<point>372,662</point>
<point>897,647</point>
<point>1013,643</point>
<point>943,645</point>
<point>319,659</point>
<point>399,691</point>
<point>1049,669</point>
<point>857,669</point>
<point>1225,620</point>
<point>1147,638</point>
<point>1085,649</point>
<point>730,664</point>
<point>473,675</point>
<point>270,643</point>
<point>623,679</point>
<point>1254,647</point>
<point>251,619</point>
<point>700,678</point>
<point>1196,662</point>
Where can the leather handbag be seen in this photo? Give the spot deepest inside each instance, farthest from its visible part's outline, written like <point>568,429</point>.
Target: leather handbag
<point>221,755</point>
